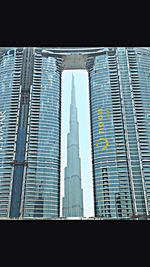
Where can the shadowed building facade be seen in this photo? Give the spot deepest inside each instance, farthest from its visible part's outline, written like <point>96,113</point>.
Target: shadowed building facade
<point>73,193</point>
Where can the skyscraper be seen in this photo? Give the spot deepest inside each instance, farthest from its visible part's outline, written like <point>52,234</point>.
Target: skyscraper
<point>120,106</point>
<point>30,129</point>
<point>73,193</point>
<point>30,114</point>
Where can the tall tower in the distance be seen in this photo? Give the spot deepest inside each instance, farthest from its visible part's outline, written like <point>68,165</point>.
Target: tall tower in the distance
<point>73,193</point>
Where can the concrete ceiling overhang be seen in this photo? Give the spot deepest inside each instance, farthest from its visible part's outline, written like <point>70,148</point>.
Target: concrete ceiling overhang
<point>73,62</point>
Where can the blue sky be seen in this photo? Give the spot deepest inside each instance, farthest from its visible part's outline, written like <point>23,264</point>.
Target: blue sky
<point>82,101</point>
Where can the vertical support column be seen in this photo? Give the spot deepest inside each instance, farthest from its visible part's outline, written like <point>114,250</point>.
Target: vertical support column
<point>19,162</point>
<point>132,85</point>
<point>132,190</point>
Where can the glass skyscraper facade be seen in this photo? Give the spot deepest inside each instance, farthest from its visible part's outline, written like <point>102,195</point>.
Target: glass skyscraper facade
<point>120,106</point>
<point>30,129</point>
<point>30,113</point>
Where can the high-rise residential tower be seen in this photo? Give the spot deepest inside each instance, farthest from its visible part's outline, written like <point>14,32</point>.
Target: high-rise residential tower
<point>30,101</point>
<point>30,129</point>
<point>73,193</point>
<point>120,126</point>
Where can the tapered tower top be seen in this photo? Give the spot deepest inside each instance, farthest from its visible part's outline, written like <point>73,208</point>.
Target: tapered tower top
<point>73,108</point>
<point>73,97</point>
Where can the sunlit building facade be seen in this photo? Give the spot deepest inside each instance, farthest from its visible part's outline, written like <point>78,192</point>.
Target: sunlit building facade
<point>30,129</point>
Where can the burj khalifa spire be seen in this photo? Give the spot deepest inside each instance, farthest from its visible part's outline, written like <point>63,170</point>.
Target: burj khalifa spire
<point>72,205</point>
